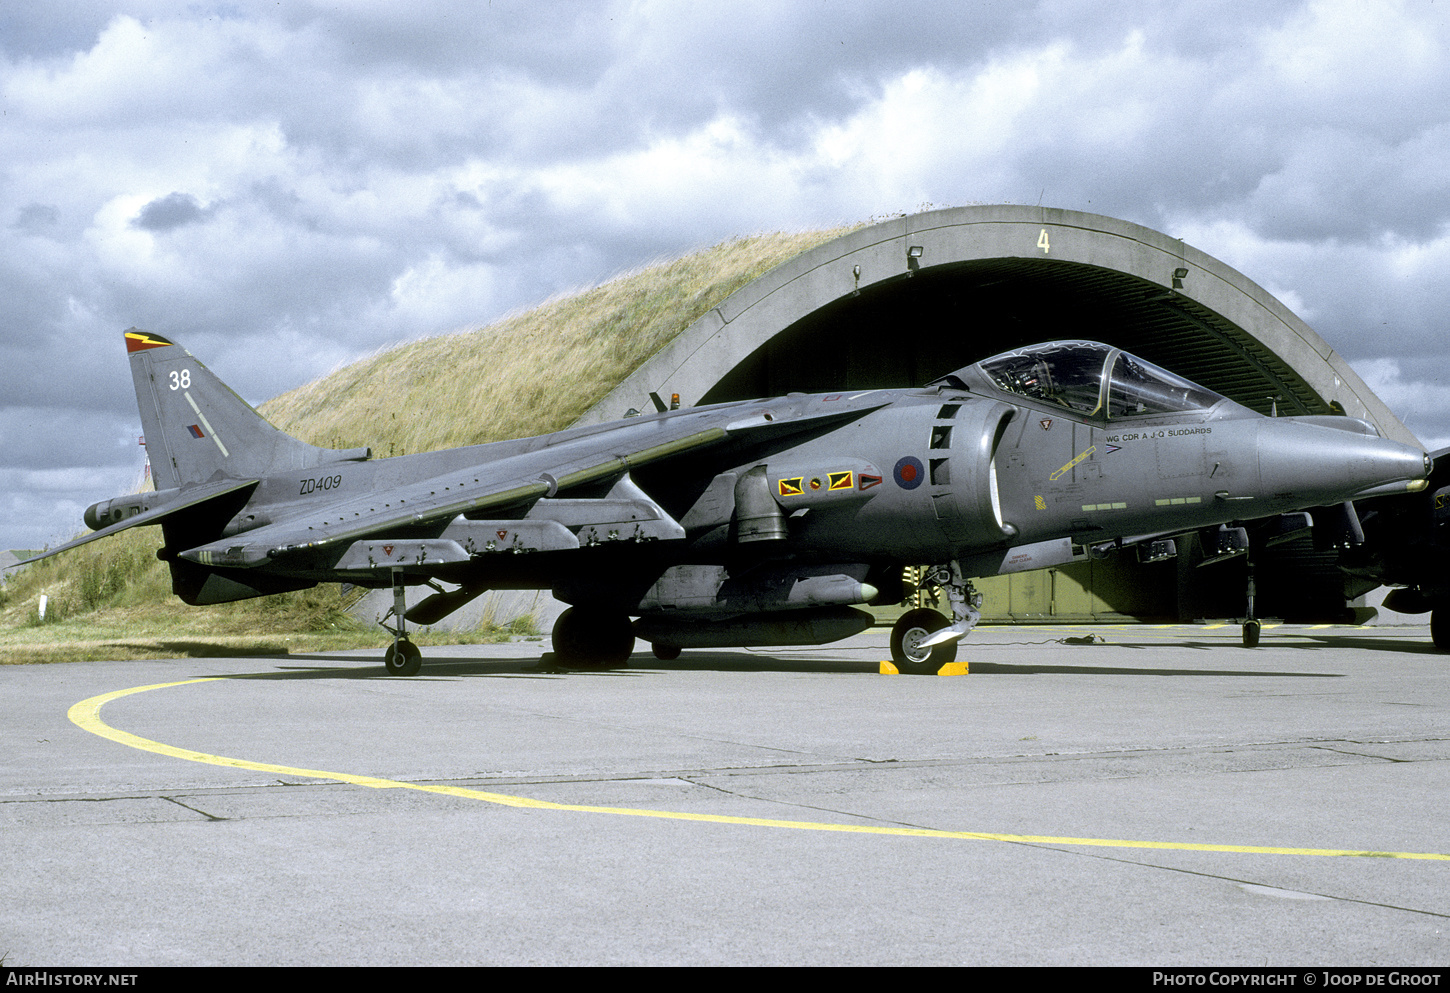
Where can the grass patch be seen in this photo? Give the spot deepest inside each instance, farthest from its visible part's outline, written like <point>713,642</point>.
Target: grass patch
<point>75,643</point>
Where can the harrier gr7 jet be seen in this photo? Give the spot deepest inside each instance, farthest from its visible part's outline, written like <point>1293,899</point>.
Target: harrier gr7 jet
<point>762,522</point>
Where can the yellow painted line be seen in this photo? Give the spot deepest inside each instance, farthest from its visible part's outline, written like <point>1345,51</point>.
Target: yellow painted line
<point>87,716</point>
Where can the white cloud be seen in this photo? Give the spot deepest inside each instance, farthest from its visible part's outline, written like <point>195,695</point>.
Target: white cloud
<point>1345,61</point>
<point>1416,401</point>
<point>161,70</point>
<point>435,292</point>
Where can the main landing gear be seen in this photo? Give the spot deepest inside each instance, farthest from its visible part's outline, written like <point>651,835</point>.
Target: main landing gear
<point>590,638</point>
<point>923,641</point>
<point>403,658</point>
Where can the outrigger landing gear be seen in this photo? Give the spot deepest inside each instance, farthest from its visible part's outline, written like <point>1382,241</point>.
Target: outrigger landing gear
<point>403,658</point>
<point>922,641</point>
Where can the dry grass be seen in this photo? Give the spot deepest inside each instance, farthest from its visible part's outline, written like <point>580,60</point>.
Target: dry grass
<point>527,374</point>
<point>112,599</point>
<point>94,640</point>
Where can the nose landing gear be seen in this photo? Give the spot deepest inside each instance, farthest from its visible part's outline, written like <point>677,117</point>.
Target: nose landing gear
<point>913,628</point>
<point>923,641</point>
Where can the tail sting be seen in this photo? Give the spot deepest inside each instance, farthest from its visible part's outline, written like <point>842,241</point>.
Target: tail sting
<point>197,429</point>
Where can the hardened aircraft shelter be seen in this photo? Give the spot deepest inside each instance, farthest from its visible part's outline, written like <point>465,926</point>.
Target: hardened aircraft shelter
<point>901,302</point>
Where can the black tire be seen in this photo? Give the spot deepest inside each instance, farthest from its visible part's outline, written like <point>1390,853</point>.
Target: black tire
<point>1440,628</point>
<point>403,659</point>
<point>592,639</point>
<point>1251,634</point>
<point>913,627</point>
<point>665,653</point>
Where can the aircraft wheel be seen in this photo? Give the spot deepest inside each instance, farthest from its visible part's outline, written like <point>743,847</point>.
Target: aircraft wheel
<point>665,653</point>
<point>403,659</point>
<point>585,638</point>
<point>1251,634</point>
<point>914,627</point>
<point>1440,628</point>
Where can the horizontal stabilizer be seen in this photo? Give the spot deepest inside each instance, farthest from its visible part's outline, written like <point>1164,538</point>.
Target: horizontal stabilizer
<point>187,498</point>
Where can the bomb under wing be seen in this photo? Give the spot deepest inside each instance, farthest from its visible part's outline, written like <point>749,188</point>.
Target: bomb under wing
<point>758,522</point>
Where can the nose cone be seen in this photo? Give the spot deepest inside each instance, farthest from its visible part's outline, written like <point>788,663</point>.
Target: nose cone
<point>1329,464</point>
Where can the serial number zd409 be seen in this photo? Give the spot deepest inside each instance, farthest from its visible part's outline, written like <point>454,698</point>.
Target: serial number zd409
<point>316,485</point>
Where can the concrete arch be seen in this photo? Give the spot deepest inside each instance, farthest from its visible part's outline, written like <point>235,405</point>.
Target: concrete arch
<point>901,302</point>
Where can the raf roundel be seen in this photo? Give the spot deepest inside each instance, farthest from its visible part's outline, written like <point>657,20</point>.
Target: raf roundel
<point>909,472</point>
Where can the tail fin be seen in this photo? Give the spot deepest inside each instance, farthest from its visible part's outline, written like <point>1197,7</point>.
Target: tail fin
<point>197,429</point>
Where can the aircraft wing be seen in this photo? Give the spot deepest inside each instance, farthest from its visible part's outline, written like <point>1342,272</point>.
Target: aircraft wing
<point>494,487</point>
<point>502,485</point>
<point>190,497</point>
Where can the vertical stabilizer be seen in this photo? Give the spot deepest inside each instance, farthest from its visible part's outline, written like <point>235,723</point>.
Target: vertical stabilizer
<point>196,428</point>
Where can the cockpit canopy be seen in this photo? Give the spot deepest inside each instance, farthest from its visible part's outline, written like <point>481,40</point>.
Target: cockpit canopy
<point>1092,379</point>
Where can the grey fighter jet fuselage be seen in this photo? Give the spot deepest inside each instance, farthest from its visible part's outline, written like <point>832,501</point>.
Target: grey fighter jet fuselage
<point>757,522</point>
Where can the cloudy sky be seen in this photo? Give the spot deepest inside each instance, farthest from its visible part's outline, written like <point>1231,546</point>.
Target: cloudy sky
<point>287,186</point>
